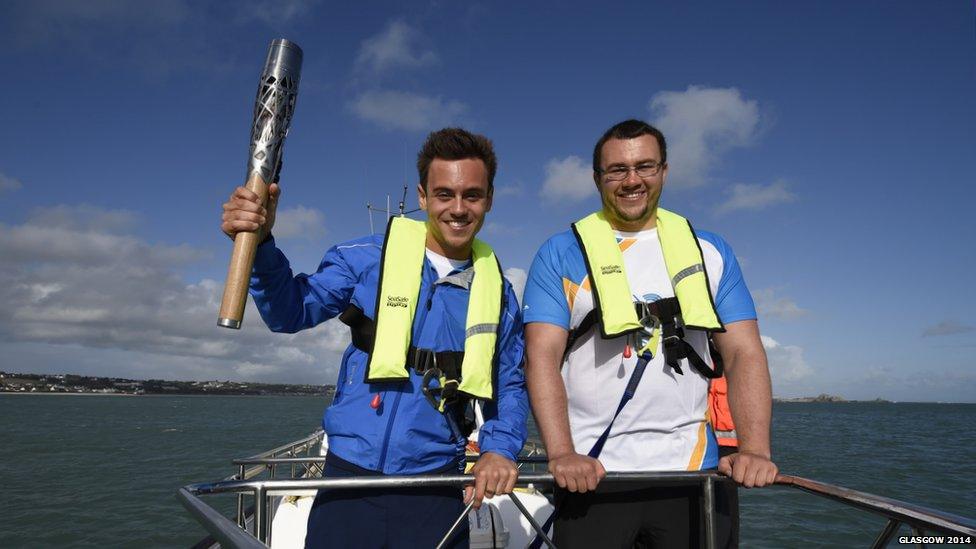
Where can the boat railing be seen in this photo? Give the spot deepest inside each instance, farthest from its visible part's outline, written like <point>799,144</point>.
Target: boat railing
<point>305,463</point>
<point>304,468</point>
<point>263,490</point>
<point>920,519</point>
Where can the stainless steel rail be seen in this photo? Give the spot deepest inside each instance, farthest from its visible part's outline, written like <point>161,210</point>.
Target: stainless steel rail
<point>225,531</point>
<point>263,489</point>
<point>265,461</point>
<point>920,519</point>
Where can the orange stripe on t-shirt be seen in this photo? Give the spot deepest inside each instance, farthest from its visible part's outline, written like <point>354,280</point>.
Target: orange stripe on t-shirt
<point>626,243</point>
<point>571,288</point>
<point>694,464</point>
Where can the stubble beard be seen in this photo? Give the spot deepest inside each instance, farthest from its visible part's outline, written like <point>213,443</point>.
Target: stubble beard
<point>642,217</point>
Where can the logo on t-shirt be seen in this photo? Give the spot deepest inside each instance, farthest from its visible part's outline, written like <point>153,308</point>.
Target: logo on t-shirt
<point>397,301</point>
<point>610,269</point>
<point>651,298</point>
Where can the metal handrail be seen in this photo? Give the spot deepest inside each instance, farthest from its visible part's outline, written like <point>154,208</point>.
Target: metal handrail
<point>291,449</point>
<point>920,519</point>
<point>284,487</point>
<point>897,512</point>
<point>262,489</point>
<point>268,461</point>
<point>310,439</point>
<point>224,530</point>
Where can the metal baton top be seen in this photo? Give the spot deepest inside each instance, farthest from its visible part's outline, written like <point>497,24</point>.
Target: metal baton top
<point>273,108</point>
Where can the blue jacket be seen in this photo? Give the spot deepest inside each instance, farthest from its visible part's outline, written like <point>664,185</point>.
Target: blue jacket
<point>405,435</point>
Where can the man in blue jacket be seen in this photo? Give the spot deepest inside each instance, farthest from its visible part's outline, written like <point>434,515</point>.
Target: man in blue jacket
<point>435,327</point>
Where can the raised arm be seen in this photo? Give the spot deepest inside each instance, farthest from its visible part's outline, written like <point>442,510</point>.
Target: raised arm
<point>287,302</point>
<point>750,399</point>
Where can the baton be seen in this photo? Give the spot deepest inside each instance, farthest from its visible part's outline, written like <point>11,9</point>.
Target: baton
<point>273,108</point>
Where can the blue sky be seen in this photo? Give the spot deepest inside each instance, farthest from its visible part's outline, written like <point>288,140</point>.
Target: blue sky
<point>830,143</point>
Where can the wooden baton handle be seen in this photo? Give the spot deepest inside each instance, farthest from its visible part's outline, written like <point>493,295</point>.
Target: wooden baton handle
<point>241,263</point>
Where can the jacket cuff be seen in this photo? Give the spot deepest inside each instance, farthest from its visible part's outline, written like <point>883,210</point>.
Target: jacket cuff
<point>266,256</point>
<point>500,451</point>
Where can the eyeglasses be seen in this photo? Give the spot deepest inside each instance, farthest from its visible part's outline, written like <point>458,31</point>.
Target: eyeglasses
<point>644,171</point>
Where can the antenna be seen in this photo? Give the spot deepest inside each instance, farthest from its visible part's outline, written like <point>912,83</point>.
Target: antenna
<point>402,210</point>
<point>403,200</point>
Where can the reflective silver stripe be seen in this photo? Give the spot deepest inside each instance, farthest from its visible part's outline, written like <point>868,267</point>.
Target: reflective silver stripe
<point>726,434</point>
<point>684,273</point>
<point>480,329</point>
<point>462,279</point>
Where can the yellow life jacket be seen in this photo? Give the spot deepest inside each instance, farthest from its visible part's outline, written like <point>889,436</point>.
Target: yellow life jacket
<point>611,291</point>
<point>401,271</point>
<point>614,307</point>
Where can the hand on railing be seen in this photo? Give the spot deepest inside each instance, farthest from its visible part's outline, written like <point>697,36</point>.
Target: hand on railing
<point>748,469</point>
<point>494,474</point>
<point>576,472</point>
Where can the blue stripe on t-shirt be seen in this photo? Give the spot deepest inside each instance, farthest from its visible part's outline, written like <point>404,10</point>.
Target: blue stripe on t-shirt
<point>732,300</point>
<point>560,257</point>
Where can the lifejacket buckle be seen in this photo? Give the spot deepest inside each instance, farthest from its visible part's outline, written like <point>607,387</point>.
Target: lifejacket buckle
<point>432,394</point>
<point>650,331</point>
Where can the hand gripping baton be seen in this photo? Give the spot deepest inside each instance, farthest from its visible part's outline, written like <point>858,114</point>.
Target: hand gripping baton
<point>273,108</point>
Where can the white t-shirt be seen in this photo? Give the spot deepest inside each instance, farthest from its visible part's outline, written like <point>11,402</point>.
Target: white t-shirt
<point>664,427</point>
<point>445,265</point>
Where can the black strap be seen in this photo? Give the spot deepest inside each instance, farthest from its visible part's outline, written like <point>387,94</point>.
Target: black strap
<point>363,330</point>
<point>667,310</point>
<point>663,309</point>
<point>635,378</point>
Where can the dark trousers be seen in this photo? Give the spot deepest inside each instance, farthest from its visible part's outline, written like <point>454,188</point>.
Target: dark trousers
<point>392,518</point>
<point>660,517</point>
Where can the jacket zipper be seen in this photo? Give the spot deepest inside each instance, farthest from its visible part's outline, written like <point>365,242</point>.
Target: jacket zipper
<point>396,401</point>
<point>389,429</point>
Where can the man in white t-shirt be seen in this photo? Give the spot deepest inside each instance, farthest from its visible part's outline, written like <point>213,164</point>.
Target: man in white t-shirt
<point>587,427</point>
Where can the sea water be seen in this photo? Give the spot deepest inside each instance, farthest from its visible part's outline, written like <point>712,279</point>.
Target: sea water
<point>103,470</point>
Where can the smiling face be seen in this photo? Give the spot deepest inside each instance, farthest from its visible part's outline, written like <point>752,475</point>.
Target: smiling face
<point>631,204</point>
<point>456,199</point>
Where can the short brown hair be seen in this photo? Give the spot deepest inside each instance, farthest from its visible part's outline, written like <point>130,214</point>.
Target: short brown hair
<point>456,144</point>
<point>629,129</point>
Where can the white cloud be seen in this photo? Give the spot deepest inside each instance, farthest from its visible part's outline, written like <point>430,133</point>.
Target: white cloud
<point>947,327</point>
<point>514,189</point>
<point>786,363</point>
<point>941,383</point>
<point>161,38</point>
<point>752,197</point>
<point>75,23</point>
<point>569,179</point>
<point>398,46</point>
<point>517,277</point>
<point>769,304</point>
<point>407,111</point>
<point>81,285</point>
<point>84,217</point>
<point>8,183</point>
<point>699,125</point>
<point>274,12</point>
<point>501,229</point>
<point>299,222</point>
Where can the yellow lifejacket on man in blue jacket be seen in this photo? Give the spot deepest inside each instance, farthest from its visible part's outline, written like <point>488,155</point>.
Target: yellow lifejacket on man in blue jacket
<point>396,304</point>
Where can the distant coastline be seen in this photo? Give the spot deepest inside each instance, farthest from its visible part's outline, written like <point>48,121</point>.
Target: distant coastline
<point>70,384</point>
<point>824,397</point>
